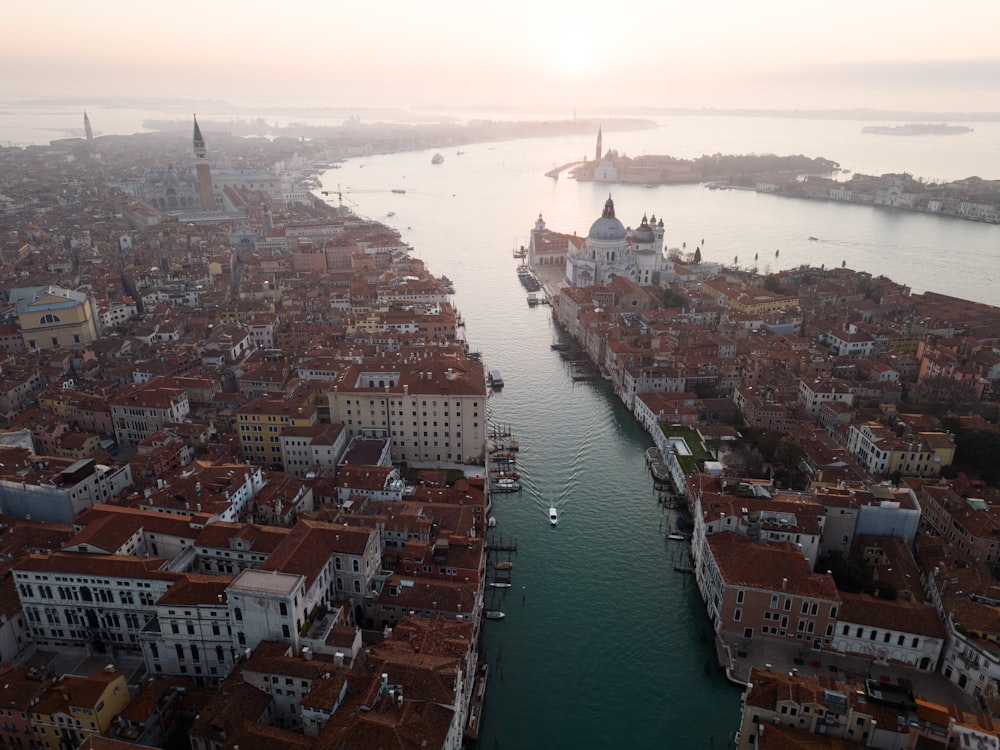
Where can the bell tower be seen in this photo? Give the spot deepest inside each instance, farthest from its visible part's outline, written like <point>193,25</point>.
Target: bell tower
<point>206,193</point>
<point>597,152</point>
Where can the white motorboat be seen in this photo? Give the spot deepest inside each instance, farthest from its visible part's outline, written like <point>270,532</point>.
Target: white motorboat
<point>494,614</point>
<point>676,536</point>
<point>553,515</point>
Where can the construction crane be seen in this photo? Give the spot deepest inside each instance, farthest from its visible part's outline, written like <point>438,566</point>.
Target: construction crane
<point>341,193</point>
<point>340,197</point>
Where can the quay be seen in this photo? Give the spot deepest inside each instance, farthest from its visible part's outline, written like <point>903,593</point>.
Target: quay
<point>555,171</point>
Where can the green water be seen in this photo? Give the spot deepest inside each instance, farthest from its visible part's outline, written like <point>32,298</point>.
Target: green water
<point>604,644</point>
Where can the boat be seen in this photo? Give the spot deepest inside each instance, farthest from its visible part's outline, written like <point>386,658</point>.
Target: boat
<point>553,515</point>
<point>496,380</point>
<point>500,584</point>
<point>390,214</point>
<point>504,565</point>
<point>676,536</point>
<point>437,159</point>
<point>494,614</point>
<point>814,239</point>
<point>558,347</point>
<point>506,485</point>
<point>399,191</point>
<point>501,579</point>
<point>492,522</point>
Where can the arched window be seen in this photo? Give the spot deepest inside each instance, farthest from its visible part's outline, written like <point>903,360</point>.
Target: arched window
<point>48,318</point>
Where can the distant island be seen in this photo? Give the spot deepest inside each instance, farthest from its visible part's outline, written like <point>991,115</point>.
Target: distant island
<point>734,169</point>
<point>924,128</point>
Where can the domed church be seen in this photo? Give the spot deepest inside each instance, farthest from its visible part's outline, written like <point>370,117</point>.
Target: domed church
<point>611,250</point>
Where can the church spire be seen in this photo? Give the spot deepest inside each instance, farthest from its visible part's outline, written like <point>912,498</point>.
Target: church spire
<point>89,131</point>
<point>597,153</point>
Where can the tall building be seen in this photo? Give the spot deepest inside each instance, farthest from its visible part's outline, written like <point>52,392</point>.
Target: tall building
<point>89,131</point>
<point>205,190</point>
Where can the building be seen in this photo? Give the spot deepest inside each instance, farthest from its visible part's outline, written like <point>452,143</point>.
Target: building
<point>54,317</point>
<point>262,421</point>
<point>611,251</point>
<point>140,411</point>
<point>896,632</point>
<point>432,409</point>
<point>53,490</point>
<point>78,707</point>
<point>754,590</point>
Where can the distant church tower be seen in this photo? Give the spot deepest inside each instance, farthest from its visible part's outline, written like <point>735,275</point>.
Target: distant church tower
<point>89,131</point>
<point>597,153</point>
<point>205,190</point>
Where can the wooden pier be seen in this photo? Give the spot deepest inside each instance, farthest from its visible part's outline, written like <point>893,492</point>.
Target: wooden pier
<point>501,545</point>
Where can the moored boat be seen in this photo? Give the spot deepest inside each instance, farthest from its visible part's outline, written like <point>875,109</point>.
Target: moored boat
<point>504,565</point>
<point>676,536</point>
<point>494,614</point>
<point>500,584</point>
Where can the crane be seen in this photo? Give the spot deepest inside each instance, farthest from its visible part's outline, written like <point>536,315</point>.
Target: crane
<point>340,193</point>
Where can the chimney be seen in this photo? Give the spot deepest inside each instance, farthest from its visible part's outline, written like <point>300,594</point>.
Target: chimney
<point>784,584</point>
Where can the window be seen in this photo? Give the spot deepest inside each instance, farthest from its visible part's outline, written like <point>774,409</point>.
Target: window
<point>739,596</point>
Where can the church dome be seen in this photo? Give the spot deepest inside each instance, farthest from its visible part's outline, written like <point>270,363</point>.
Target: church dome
<point>642,234</point>
<point>607,227</point>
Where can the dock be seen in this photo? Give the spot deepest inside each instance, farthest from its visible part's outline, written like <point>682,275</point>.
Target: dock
<point>501,545</point>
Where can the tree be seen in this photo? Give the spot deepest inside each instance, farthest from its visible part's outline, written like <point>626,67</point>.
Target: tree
<point>697,255</point>
<point>772,284</point>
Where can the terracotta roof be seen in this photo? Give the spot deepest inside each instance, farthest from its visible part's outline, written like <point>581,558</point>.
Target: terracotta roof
<point>768,567</point>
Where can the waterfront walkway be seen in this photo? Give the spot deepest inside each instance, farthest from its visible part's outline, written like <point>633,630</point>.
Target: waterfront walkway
<point>743,654</point>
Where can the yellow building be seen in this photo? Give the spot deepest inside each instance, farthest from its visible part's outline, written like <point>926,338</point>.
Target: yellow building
<point>51,316</point>
<point>261,421</point>
<point>75,708</point>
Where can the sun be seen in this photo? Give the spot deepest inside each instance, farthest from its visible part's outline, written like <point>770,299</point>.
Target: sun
<point>573,53</point>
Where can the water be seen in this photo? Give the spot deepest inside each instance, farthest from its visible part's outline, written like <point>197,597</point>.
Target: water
<point>602,644</point>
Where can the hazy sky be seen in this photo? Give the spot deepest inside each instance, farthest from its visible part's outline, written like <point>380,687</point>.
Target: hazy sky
<point>890,53</point>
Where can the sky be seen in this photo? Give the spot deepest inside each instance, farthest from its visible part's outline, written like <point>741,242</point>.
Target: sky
<point>900,54</point>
